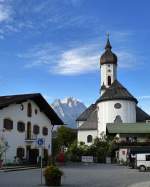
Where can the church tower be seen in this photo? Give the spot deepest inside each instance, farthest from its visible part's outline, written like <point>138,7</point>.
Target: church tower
<point>108,65</point>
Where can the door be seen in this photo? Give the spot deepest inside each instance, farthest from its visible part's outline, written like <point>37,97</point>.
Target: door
<point>33,156</point>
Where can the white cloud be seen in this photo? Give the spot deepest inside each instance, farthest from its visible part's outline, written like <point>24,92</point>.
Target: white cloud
<point>77,61</point>
<point>126,59</point>
<point>5,12</point>
<point>143,97</point>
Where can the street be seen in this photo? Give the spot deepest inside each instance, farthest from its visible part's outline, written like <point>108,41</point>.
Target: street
<point>92,175</point>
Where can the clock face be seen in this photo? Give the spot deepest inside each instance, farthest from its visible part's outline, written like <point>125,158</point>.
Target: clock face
<point>117,105</point>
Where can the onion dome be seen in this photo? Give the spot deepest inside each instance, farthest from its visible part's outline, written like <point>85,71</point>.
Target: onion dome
<point>108,57</point>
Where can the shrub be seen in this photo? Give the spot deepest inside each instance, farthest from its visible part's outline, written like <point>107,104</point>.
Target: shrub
<point>53,176</point>
<point>52,171</point>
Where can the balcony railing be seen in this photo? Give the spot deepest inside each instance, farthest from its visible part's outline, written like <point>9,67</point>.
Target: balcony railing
<point>30,137</point>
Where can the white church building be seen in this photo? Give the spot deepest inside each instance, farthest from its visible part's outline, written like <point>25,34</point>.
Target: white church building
<point>23,120</point>
<point>116,105</point>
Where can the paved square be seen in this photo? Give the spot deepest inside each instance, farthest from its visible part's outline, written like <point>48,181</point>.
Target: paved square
<point>92,175</point>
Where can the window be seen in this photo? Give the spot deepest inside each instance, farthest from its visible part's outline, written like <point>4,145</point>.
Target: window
<point>117,105</point>
<point>21,107</point>
<point>36,111</point>
<point>45,131</point>
<point>118,120</point>
<point>28,135</point>
<point>20,152</point>
<point>20,126</point>
<point>109,80</point>
<point>123,152</point>
<point>134,139</point>
<point>29,110</point>
<point>36,129</point>
<point>8,124</point>
<point>127,139</point>
<point>147,157</point>
<point>89,138</point>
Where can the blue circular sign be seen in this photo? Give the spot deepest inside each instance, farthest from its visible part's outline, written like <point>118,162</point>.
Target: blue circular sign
<point>40,141</point>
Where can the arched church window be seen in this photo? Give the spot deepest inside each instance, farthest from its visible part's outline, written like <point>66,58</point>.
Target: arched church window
<point>109,80</point>
<point>29,110</point>
<point>89,138</point>
<point>118,120</point>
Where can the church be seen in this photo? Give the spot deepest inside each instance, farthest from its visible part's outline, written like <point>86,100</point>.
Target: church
<point>116,111</point>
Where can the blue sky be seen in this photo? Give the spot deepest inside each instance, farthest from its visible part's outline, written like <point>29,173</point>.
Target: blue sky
<point>53,47</point>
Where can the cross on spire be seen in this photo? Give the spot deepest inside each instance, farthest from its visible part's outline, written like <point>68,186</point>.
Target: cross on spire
<point>107,35</point>
<point>108,45</point>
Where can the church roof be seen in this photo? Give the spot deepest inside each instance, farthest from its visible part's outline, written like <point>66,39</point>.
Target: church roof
<point>141,116</point>
<point>5,101</point>
<point>85,114</point>
<point>91,123</point>
<point>116,91</point>
<point>128,128</point>
<point>108,57</point>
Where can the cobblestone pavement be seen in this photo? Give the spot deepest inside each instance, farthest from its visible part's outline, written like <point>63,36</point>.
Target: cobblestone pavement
<point>92,175</point>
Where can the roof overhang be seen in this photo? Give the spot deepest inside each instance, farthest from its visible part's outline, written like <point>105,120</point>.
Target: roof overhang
<point>128,128</point>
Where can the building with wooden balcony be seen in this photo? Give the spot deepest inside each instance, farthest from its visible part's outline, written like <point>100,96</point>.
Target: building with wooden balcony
<point>24,119</point>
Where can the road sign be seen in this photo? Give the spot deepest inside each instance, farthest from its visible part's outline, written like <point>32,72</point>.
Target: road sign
<point>40,141</point>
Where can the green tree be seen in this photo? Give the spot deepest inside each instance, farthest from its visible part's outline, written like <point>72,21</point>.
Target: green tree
<point>66,136</point>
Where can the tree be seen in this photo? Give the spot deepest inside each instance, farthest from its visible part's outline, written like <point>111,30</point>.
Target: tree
<point>66,136</point>
<point>100,149</point>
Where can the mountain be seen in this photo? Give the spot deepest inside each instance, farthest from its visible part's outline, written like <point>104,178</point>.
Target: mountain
<point>68,110</point>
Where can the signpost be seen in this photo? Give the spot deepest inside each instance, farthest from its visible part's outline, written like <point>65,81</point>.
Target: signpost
<point>41,143</point>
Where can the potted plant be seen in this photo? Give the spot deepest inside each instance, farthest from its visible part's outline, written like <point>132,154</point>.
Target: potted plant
<point>52,176</point>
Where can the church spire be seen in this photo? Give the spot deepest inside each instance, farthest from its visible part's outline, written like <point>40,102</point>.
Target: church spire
<point>108,65</point>
<point>108,57</point>
<point>108,45</point>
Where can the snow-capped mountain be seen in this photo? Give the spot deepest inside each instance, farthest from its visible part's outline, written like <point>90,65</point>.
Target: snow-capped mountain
<point>68,110</point>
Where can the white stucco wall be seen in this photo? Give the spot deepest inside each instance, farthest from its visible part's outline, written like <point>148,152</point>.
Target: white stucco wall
<point>122,155</point>
<point>82,136</point>
<point>108,70</point>
<point>17,139</point>
<point>107,113</point>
